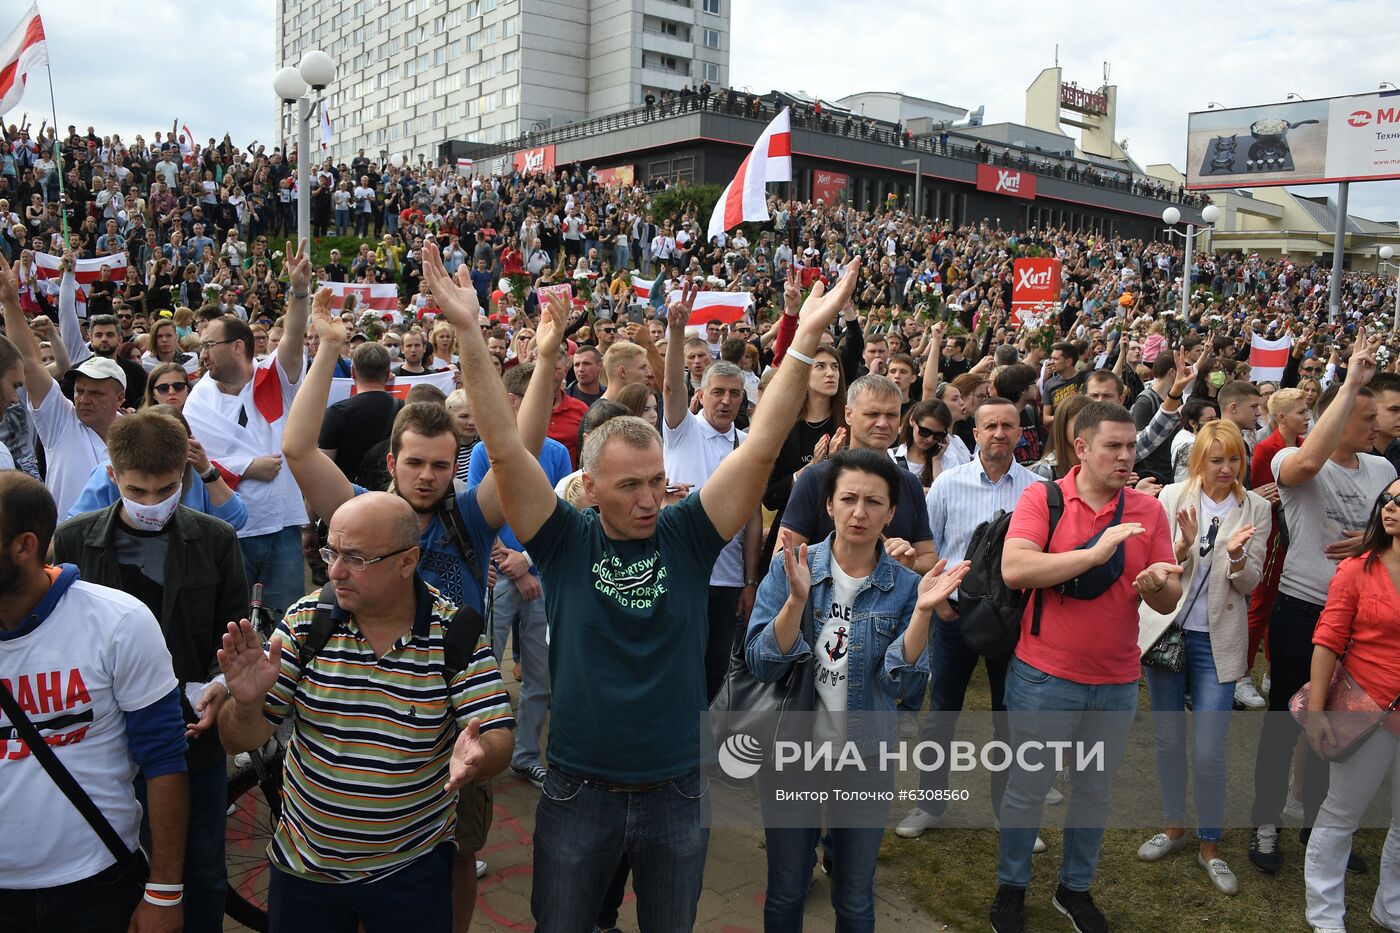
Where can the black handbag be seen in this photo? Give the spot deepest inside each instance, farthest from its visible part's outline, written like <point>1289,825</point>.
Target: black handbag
<point>747,706</point>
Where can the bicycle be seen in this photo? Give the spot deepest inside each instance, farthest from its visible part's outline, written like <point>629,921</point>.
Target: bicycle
<point>254,807</point>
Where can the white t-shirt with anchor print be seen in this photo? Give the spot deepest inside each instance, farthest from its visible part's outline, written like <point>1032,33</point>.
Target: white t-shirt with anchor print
<point>833,653</point>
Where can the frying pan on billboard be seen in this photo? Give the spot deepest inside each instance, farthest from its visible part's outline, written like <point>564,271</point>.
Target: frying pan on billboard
<point>1353,138</point>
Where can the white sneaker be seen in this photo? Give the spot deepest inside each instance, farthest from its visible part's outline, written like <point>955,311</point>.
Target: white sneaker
<point>1160,846</point>
<point>1264,687</point>
<point>480,868</point>
<point>1220,874</point>
<point>1036,849</point>
<point>1329,930</point>
<point>1053,797</point>
<point>915,824</point>
<point>1247,696</point>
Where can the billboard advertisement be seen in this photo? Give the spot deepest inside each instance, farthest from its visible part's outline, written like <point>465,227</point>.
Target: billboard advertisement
<point>1005,181</point>
<point>534,161</point>
<point>622,175</point>
<point>1035,289</point>
<point>829,187</point>
<point>1305,142</point>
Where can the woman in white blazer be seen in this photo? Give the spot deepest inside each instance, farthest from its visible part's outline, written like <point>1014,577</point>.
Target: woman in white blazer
<point>1220,531</point>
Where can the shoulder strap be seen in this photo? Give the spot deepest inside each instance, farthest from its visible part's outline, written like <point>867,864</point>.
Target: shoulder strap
<point>457,530</point>
<point>60,775</point>
<point>322,625</point>
<point>1055,503</point>
<point>459,641</point>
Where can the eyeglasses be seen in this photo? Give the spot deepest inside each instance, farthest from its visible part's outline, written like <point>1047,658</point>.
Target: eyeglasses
<point>211,344</point>
<point>354,562</point>
<point>607,330</point>
<point>165,387</point>
<point>939,437</point>
<point>1389,498</point>
<point>1310,370</point>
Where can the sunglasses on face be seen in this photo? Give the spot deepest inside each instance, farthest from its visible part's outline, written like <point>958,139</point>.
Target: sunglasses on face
<point>176,387</point>
<point>1311,370</point>
<point>938,437</point>
<point>607,330</point>
<point>1388,498</point>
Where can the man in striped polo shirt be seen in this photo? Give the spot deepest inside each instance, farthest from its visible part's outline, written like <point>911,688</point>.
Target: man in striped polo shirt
<point>381,740</point>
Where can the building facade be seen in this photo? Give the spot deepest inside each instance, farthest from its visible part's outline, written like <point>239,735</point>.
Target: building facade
<point>414,73</point>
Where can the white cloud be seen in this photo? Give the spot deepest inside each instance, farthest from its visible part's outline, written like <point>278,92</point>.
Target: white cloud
<point>135,67</point>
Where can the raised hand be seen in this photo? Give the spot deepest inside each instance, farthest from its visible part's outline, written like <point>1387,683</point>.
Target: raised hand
<point>1185,373</point>
<point>550,333</point>
<point>799,574</point>
<point>327,324</point>
<point>468,757</point>
<point>460,306</point>
<point>792,292</point>
<point>197,458</point>
<point>250,673</point>
<point>819,453</point>
<point>678,311</point>
<point>1187,524</point>
<point>901,550</point>
<point>1238,540</point>
<point>298,267</point>
<point>941,582</point>
<point>821,306</point>
<point>1362,366</point>
<point>9,287</point>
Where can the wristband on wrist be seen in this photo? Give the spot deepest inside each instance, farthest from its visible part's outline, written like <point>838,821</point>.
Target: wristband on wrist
<point>801,357</point>
<point>164,895</point>
<point>1174,398</point>
<point>301,296</point>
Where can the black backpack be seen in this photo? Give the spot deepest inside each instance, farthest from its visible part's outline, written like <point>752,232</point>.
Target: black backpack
<point>989,612</point>
<point>459,639</point>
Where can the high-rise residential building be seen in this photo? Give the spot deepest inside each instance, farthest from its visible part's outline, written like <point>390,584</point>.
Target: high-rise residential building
<point>412,74</point>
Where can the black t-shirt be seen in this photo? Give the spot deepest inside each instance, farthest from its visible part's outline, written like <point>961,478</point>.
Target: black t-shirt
<point>355,425</point>
<point>588,398</point>
<point>806,509</point>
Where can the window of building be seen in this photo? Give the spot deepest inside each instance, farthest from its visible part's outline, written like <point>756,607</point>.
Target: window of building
<point>710,6</point>
<point>510,27</point>
<point>711,38</point>
<point>510,61</point>
<point>711,72</point>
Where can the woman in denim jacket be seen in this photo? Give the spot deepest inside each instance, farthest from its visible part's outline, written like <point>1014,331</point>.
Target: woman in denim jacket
<point>871,618</point>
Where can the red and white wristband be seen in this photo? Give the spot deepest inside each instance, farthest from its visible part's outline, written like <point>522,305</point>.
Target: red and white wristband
<point>164,895</point>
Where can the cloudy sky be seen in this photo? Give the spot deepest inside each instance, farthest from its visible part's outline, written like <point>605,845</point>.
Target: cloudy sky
<point>211,64</point>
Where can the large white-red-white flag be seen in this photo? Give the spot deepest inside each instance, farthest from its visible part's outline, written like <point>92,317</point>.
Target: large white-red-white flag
<point>342,388</point>
<point>746,197</point>
<point>24,50</point>
<point>86,271</point>
<point>383,299</point>
<point>725,307</point>
<point>1268,358</point>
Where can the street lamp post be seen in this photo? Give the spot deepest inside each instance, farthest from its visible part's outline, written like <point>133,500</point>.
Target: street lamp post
<point>918,184</point>
<point>1386,253</point>
<point>316,69</point>
<point>1171,217</point>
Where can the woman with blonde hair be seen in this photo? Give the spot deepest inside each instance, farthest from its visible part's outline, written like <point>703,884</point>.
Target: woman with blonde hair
<point>164,347</point>
<point>1220,531</point>
<point>442,346</point>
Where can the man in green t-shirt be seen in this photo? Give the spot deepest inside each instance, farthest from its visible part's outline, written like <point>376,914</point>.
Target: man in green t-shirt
<point>626,596</point>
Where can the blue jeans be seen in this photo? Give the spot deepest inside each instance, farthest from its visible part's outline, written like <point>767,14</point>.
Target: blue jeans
<point>622,257</point>
<point>275,561</point>
<point>416,897</point>
<point>853,850</point>
<point>342,221</point>
<point>533,652</point>
<point>206,874</point>
<point>1212,703</point>
<point>951,664</point>
<point>582,829</point>
<point>1056,711</point>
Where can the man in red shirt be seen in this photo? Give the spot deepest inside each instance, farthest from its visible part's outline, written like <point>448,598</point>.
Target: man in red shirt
<point>1110,546</point>
<point>568,411</point>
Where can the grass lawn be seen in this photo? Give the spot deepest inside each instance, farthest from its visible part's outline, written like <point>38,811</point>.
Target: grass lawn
<point>951,873</point>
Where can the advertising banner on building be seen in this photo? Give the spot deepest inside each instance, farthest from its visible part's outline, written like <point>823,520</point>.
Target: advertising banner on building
<point>1035,290</point>
<point>622,175</point>
<point>1305,142</point>
<point>830,187</point>
<point>534,161</point>
<point>1005,181</point>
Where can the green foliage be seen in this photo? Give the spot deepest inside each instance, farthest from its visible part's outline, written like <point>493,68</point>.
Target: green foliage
<point>321,248</point>
<point>697,199</point>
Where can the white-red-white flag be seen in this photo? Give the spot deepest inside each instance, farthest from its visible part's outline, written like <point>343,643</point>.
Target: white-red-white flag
<point>342,388</point>
<point>746,197</point>
<point>23,51</point>
<point>325,124</point>
<point>382,299</point>
<point>1268,358</point>
<point>725,307</point>
<point>86,271</point>
<point>641,285</point>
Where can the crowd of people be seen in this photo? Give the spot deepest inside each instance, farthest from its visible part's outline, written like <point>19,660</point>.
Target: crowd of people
<point>618,497</point>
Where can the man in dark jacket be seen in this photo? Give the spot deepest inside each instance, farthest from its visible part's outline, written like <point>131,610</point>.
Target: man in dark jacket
<point>188,570</point>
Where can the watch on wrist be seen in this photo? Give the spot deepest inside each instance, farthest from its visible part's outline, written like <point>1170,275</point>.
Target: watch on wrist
<point>750,583</point>
<point>211,475</point>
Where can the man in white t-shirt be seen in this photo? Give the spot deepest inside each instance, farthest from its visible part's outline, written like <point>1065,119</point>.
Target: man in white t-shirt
<point>237,412</point>
<point>73,432</point>
<point>88,667</point>
<point>694,446</point>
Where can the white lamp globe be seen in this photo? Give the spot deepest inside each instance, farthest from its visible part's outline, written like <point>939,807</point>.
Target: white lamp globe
<point>1171,217</point>
<point>1387,252</point>
<point>1210,213</point>
<point>288,84</point>
<point>396,160</point>
<point>317,69</point>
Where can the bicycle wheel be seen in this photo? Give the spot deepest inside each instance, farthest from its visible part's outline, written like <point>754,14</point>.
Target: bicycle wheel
<point>253,811</point>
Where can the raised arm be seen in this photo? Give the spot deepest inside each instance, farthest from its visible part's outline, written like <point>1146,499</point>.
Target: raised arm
<point>37,380</point>
<point>322,484</point>
<point>735,489</point>
<point>526,495</point>
<point>1322,440</point>
<point>291,351</point>
<point>70,332</point>
<point>932,362</point>
<point>674,397</point>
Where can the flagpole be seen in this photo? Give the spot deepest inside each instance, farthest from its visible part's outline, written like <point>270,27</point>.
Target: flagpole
<point>58,159</point>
